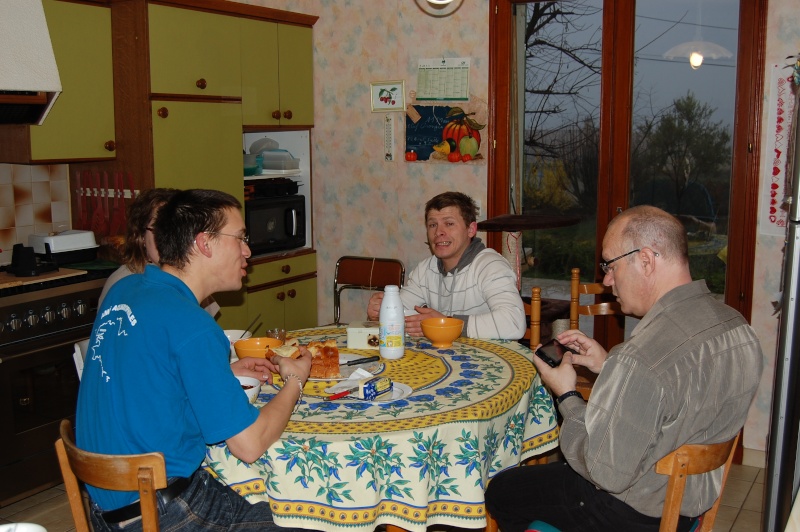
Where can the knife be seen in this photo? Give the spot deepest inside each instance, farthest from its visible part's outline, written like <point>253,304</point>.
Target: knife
<point>341,394</point>
<point>361,361</point>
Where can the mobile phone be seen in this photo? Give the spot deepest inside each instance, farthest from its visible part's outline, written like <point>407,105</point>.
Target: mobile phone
<point>552,352</point>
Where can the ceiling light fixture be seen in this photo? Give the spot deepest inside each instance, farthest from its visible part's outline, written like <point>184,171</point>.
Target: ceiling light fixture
<point>698,49</point>
<point>439,8</point>
<point>439,2</point>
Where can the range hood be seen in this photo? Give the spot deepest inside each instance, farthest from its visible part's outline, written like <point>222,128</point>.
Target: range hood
<point>29,80</point>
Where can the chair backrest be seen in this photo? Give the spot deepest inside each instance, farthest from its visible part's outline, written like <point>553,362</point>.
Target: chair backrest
<point>533,332</point>
<point>604,308</point>
<point>79,356</point>
<point>144,473</point>
<point>693,460</point>
<point>364,273</point>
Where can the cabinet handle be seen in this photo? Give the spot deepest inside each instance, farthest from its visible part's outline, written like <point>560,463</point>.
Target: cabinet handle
<point>281,296</point>
<point>110,145</point>
<point>286,268</point>
<point>163,112</point>
<point>276,115</point>
<point>287,115</point>
<point>292,293</point>
<point>201,84</point>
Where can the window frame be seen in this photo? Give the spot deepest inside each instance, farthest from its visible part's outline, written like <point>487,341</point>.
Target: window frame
<point>616,92</point>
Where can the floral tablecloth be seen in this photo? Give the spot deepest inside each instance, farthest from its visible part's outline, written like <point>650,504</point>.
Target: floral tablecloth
<point>477,408</point>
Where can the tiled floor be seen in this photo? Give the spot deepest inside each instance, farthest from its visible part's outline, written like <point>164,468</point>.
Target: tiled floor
<point>740,510</point>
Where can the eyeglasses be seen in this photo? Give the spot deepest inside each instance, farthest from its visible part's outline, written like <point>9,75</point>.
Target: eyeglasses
<point>245,239</point>
<point>606,264</point>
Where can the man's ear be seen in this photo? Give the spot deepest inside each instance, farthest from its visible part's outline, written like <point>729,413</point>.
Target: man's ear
<point>472,230</point>
<point>648,258</point>
<point>201,241</point>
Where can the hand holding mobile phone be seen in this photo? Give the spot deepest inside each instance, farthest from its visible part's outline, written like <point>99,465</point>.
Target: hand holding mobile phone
<point>552,352</point>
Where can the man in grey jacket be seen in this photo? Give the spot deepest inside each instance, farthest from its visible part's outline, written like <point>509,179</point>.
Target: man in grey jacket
<point>687,375</point>
<point>463,278</point>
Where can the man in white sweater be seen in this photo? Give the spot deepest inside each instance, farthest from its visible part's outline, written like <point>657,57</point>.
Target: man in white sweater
<point>463,278</point>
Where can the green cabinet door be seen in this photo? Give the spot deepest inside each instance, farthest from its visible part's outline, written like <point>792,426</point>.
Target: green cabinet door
<point>198,145</point>
<point>277,74</point>
<point>300,305</point>
<point>81,121</point>
<point>192,52</point>
<point>296,75</point>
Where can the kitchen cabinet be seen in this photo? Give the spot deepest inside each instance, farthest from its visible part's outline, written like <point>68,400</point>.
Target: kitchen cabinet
<point>80,126</point>
<point>282,289</point>
<point>197,144</point>
<point>193,52</point>
<point>277,74</point>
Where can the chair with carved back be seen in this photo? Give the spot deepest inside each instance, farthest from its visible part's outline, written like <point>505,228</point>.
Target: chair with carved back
<point>144,473</point>
<point>364,273</point>
<point>576,309</point>
<point>693,460</point>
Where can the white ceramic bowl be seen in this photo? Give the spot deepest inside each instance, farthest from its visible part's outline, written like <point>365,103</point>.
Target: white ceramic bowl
<point>251,387</point>
<point>233,335</point>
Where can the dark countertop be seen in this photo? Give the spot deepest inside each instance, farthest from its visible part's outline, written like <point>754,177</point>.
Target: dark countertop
<point>525,222</point>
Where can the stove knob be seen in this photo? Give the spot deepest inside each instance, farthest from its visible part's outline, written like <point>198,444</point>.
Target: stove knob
<point>14,324</point>
<point>81,307</point>
<point>65,312</point>
<point>49,316</point>
<point>32,320</point>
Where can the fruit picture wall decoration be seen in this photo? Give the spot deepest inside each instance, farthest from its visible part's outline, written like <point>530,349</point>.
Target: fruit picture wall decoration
<point>387,96</point>
<point>444,134</point>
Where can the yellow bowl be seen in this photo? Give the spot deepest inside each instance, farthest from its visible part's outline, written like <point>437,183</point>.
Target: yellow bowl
<point>442,331</point>
<point>255,347</point>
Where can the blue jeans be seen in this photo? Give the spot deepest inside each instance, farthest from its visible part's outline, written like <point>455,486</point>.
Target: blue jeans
<point>556,494</point>
<point>205,505</point>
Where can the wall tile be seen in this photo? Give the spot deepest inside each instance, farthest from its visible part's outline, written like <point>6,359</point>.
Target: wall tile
<point>32,199</point>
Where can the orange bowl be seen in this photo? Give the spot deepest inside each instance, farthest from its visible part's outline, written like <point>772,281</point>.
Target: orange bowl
<point>255,347</point>
<point>442,331</point>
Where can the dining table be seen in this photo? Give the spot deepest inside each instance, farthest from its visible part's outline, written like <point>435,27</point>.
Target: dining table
<point>407,460</point>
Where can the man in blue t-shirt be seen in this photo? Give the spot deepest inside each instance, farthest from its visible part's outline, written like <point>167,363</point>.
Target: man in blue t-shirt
<point>157,376</point>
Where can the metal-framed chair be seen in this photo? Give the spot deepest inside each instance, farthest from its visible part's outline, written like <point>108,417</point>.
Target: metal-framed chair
<point>144,473</point>
<point>364,273</point>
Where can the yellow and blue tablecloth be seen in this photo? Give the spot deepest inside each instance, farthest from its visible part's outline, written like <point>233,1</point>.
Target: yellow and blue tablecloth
<point>477,408</point>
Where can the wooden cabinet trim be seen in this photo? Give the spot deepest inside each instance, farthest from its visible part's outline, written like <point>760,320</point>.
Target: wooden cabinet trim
<point>243,10</point>
<point>263,259</point>
<point>159,96</point>
<point>281,282</point>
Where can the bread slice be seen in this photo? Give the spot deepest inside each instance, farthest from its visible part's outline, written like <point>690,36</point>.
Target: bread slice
<point>287,351</point>
<point>325,360</point>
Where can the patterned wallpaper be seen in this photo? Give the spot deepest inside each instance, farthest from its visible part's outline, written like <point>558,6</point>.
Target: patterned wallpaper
<point>372,207</point>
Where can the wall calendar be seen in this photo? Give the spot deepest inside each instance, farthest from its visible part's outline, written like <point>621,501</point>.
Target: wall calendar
<point>443,79</point>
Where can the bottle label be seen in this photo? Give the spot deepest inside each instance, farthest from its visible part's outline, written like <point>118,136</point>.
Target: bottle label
<point>391,335</point>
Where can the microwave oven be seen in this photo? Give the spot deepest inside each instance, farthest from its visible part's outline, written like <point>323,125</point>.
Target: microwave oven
<point>275,224</point>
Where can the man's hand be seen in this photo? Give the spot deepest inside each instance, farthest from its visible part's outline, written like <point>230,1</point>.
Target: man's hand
<point>560,380</point>
<point>413,326</point>
<point>591,354</point>
<point>258,368</point>
<point>374,306</point>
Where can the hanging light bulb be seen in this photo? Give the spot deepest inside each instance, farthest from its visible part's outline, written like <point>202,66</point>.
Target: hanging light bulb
<point>698,49</point>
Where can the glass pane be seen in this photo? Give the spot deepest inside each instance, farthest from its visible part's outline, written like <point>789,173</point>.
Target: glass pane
<point>558,46</point>
<point>683,121</point>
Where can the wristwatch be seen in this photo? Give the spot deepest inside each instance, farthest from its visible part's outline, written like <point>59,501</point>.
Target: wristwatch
<point>571,393</point>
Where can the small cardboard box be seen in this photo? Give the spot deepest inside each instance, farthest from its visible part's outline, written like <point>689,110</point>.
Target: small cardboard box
<point>363,335</point>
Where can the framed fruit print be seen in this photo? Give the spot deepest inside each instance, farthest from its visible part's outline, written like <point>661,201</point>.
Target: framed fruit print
<point>388,96</point>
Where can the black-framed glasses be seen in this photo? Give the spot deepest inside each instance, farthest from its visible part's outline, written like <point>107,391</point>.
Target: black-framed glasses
<point>605,265</point>
<point>244,238</point>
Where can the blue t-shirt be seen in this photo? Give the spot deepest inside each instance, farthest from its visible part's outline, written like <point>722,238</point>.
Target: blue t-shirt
<point>157,378</point>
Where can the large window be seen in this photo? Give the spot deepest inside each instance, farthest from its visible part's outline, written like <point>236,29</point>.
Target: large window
<point>596,109</point>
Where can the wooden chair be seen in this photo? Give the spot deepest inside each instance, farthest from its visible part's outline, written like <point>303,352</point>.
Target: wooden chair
<point>144,473</point>
<point>533,333</point>
<point>364,273</point>
<point>604,308</point>
<point>693,460</point>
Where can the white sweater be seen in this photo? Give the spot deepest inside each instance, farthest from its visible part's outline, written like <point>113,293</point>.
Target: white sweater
<point>482,292</point>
